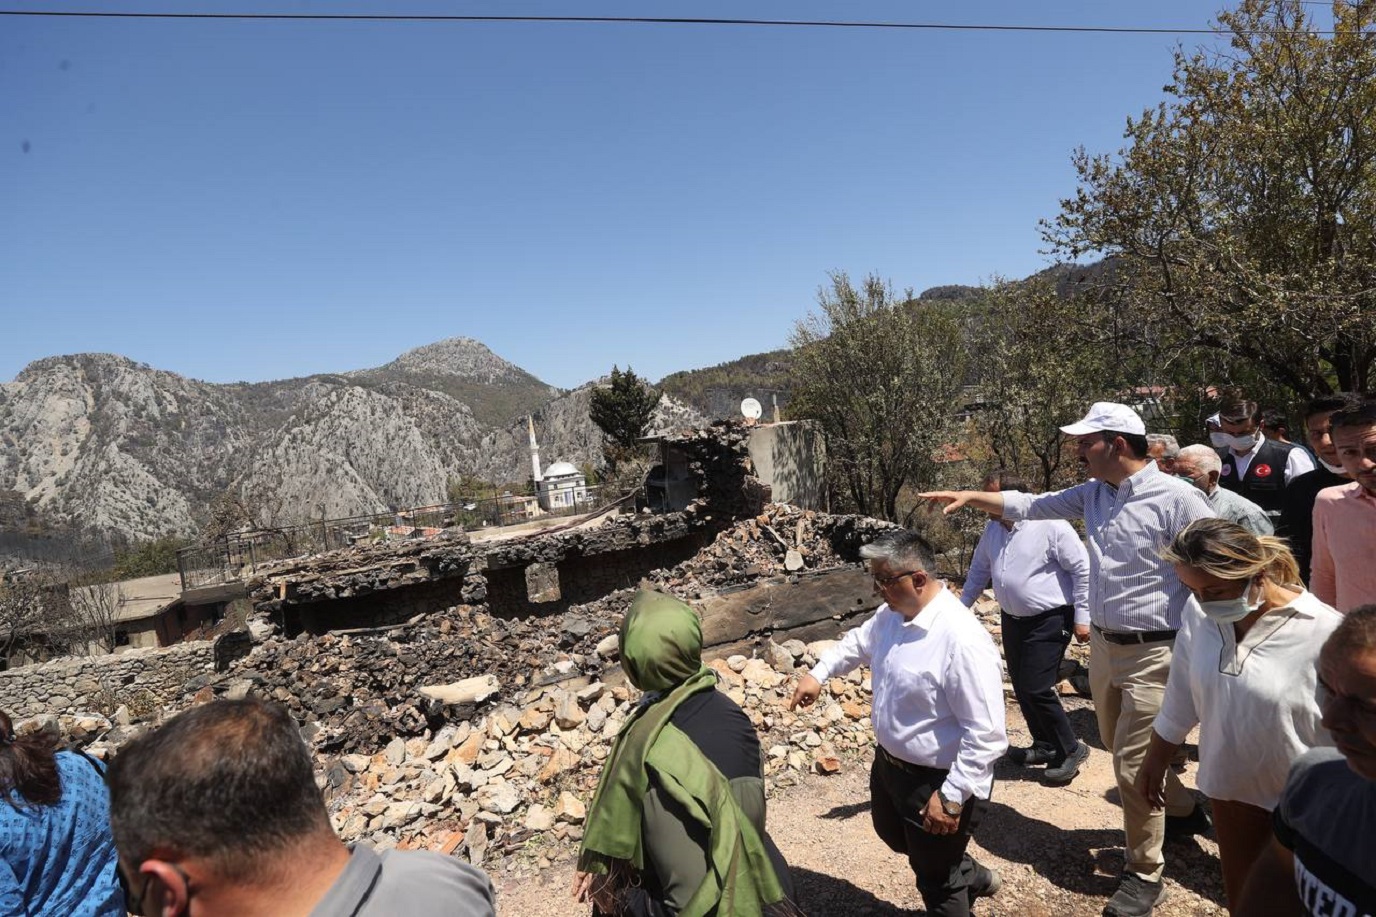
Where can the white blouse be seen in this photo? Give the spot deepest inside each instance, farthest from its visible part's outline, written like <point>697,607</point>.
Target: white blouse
<point>1256,702</point>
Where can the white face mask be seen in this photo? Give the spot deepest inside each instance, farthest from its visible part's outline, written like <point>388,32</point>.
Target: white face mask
<point>1240,443</point>
<point>1218,438</point>
<point>1336,469</point>
<point>1228,611</point>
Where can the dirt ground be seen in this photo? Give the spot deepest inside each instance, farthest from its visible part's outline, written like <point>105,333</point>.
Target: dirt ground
<point>1059,850</point>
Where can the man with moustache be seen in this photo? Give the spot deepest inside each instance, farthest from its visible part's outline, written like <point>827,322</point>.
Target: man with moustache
<point>1344,574</point>
<point>1131,511</point>
<point>1320,861</point>
<point>1296,524</point>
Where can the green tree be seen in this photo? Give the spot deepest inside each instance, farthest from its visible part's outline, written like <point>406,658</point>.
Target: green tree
<point>882,374</point>
<point>1036,370</point>
<point>1242,212</point>
<point>150,558</point>
<point>622,409</point>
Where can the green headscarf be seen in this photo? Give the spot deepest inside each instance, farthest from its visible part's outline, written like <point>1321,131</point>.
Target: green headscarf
<point>661,651</point>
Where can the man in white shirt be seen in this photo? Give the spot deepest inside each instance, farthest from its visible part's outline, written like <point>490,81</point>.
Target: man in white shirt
<point>1131,511</point>
<point>1258,468</point>
<point>1040,572</point>
<point>938,720</point>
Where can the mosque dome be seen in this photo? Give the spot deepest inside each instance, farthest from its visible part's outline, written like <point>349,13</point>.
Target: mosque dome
<point>560,470</point>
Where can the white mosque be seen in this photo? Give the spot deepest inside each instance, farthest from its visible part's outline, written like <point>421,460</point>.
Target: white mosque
<point>562,486</point>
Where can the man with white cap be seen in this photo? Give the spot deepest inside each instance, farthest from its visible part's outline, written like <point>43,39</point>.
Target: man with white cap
<point>1131,511</point>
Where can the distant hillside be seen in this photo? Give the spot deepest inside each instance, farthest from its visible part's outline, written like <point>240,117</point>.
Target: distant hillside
<point>717,391</point>
<point>495,391</point>
<point>99,443</point>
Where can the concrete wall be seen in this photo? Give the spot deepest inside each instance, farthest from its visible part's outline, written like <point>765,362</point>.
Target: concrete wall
<point>791,458</point>
<point>139,678</point>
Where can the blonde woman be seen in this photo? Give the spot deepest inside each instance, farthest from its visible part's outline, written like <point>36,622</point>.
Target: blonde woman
<point>1244,672</point>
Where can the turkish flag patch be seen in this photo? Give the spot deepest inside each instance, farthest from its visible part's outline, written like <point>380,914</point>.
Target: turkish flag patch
<point>1263,471</point>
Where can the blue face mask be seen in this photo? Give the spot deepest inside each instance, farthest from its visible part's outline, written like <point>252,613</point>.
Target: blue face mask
<point>1230,611</point>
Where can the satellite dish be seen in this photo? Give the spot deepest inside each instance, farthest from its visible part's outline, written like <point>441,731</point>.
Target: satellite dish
<point>751,409</point>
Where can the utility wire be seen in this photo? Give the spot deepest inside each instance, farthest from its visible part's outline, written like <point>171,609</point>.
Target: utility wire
<point>649,20</point>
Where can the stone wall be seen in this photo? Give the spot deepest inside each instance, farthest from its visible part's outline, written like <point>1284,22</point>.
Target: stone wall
<point>139,679</point>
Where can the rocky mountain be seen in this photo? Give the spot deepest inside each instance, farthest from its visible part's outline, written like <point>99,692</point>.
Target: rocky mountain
<point>99,442</point>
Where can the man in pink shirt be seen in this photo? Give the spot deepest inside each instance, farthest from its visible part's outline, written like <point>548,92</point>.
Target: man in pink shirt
<point>1344,574</point>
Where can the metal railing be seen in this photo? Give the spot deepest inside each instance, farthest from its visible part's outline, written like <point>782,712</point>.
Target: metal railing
<point>227,561</point>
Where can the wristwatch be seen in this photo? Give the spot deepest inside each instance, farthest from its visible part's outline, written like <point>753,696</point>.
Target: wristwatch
<point>949,806</point>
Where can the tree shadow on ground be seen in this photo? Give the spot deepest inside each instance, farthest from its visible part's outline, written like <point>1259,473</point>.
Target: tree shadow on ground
<point>1088,861</point>
<point>846,811</point>
<point>819,895</point>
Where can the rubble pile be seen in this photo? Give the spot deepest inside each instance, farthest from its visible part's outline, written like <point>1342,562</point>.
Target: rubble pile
<point>359,691</point>
<point>484,787</point>
<point>782,539</point>
<point>475,733</point>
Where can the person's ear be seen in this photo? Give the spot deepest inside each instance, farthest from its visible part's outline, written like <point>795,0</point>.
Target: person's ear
<point>1213,479</point>
<point>168,893</point>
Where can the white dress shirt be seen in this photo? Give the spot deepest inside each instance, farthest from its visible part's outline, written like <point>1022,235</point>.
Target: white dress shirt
<point>1255,702</point>
<point>1130,587</point>
<point>1298,462</point>
<point>938,690</point>
<point>1037,566</point>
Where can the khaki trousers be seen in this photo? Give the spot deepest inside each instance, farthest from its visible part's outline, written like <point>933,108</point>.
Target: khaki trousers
<point>1244,832</point>
<point>1129,683</point>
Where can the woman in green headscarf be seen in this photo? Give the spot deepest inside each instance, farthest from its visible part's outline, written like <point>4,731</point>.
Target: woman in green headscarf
<point>677,824</point>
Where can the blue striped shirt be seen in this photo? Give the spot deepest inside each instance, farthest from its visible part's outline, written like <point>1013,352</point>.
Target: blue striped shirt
<point>1130,587</point>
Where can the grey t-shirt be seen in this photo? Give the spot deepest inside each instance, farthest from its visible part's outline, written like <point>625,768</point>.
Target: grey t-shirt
<point>416,883</point>
<point>1327,817</point>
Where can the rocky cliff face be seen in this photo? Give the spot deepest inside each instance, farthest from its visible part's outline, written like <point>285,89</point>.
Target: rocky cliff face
<point>102,442</point>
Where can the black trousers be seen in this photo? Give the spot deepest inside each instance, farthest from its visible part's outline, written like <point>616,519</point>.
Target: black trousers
<point>1033,647</point>
<point>944,870</point>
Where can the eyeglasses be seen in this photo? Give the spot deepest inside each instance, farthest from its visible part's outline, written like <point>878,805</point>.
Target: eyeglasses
<point>884,582</point>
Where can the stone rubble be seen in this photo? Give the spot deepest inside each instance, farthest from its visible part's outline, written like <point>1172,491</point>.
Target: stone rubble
<point>483,736</point>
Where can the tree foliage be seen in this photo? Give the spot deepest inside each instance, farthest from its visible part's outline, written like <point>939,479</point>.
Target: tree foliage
<point>149,558</point>
<point>1242,212</point>
<point>1036,370</point>
<point>882,374</point>
<point>622,410</point>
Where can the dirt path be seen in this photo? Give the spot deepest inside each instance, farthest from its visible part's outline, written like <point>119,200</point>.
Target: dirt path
<point>1059,850</point>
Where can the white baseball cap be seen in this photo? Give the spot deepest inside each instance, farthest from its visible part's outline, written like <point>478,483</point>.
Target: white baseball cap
<point>1105,416</point>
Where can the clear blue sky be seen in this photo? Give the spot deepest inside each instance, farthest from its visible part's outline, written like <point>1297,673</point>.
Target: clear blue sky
<point>259,200</point>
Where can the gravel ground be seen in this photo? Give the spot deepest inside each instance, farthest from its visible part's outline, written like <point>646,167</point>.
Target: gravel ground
<point>1059,850</point>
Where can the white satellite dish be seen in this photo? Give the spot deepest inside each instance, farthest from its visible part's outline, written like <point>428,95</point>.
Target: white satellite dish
<point>751,409</point>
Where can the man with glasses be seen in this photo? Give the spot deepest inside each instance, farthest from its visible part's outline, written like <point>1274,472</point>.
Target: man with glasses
<point>1201,466</point>
<point>219,807</point>
<point>1321,860</point>
<point>938,720</point>
<point>1131,511</point>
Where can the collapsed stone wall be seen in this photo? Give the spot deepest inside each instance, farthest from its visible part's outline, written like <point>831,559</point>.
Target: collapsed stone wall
<point>142,680</point>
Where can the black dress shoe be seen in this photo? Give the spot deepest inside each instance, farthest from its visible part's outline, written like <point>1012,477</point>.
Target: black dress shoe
<point>1066,771</point>
<point>985,884</point>
<point>1179,827</point>
<point>1033,755</point>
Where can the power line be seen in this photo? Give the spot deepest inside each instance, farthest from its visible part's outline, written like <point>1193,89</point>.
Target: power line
<point>649,20</point>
